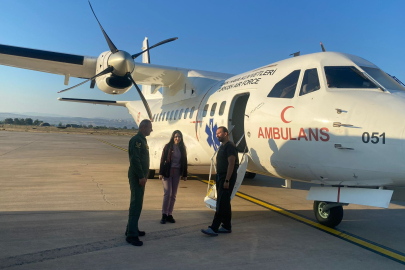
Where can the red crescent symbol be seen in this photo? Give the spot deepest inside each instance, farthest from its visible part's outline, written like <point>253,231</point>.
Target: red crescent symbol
<point>283,112</point>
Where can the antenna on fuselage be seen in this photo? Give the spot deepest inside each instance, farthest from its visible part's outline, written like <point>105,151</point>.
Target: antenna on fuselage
<point>295,54</point>
<point>323,48</point>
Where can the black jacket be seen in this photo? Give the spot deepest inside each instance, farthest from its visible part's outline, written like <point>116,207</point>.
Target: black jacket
<point>166,162</point>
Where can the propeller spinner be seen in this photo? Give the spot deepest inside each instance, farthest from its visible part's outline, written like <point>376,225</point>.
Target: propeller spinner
<point>121,64</point>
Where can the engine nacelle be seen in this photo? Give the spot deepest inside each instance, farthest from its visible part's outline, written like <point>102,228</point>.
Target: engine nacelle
<point>110,83</point>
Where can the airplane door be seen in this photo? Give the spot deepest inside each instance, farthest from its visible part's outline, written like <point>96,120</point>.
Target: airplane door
<point>237,119</point>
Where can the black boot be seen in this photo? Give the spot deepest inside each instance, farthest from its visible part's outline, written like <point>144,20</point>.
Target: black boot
<point>170,219</point>
<point>140,233</point>
<point>164,218</point>
<point>134,241</point>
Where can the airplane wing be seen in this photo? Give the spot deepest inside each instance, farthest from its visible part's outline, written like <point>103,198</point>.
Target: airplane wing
<point>96,101</point>
<point>71,65</point>
<point>46,61</point>
<point>172,77</point>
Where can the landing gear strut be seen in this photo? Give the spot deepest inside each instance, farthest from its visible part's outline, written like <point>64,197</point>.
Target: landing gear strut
<point>250,175</point>
<point>328,214</point>
<point>151,174</point>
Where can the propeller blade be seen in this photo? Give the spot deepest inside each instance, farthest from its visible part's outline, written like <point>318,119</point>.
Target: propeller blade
<point>154,46</point>
<point>113,49</point>
<point>145,103</point>
<point>105,71</point>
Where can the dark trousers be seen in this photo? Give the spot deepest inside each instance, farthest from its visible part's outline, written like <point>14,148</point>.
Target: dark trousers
<point>135,207</point>
<point>223,212</point>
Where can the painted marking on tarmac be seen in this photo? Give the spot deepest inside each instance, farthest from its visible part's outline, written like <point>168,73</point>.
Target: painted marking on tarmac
<point>351,238</point>
<point>113,145</point>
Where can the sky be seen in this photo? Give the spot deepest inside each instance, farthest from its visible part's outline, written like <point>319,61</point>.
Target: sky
<point>223,36</point>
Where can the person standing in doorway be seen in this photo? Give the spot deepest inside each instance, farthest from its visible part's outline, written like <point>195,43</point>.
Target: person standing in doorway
<point>138,151</point>
<point>227,166</point>
<point>173,165</point>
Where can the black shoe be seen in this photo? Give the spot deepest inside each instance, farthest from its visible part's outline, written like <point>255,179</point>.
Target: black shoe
<point>164,218</point>
<point>170,219</point>
<point>134,241</point>
<point>140,233</point>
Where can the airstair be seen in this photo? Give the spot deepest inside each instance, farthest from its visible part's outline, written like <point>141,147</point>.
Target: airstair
<point>211,197</point>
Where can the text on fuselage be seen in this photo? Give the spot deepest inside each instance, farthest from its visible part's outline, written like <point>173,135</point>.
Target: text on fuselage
<point>310,134</point>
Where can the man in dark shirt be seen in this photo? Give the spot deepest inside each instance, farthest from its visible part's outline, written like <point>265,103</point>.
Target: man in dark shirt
<point>138,151</point>
<point>227,165</point>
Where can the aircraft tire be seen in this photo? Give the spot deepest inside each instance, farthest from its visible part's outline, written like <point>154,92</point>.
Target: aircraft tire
<point>330,218</point>
<point>151,174</point>
<point>250,175</point>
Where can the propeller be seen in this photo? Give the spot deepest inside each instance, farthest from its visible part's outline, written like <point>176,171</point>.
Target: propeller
<point>121,64</point>
<point>154,46</point>
<point>105,71</point>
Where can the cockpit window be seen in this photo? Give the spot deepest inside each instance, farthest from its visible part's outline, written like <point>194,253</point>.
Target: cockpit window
<point>347,77</point>
<point>310,83</point>
<point>286,87</point>
<point>383,78</point>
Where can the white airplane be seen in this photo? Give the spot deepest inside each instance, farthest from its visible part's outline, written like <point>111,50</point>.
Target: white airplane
<point>327,118</point>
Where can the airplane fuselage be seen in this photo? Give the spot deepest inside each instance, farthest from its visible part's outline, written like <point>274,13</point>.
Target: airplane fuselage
<point>333,136</point>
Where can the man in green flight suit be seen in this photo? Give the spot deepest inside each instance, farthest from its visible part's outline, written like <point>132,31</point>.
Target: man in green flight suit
<point>138,173</point>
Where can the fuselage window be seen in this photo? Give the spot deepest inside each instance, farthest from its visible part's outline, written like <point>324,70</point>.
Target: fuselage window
<point>163,117</point>
<point>347,77</point>
<point>286,87</point>
<point>310,83</point>
<point>175,115</point>
<point>167,116</point>
<point>222,108</point>
<point>185,113</point>
<point>192,112</point>
<point>160,116</point>
<point>171,115</point>
<point>213,108</point>
<point>205,110</point>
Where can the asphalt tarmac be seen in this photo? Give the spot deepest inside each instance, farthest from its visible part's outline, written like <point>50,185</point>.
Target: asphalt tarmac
<point>64,205</point>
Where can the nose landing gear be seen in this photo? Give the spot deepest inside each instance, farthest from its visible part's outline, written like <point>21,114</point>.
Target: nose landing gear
<point>328,214</point>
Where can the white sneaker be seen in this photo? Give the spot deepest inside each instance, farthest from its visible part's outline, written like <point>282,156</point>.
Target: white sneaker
<point>209,231</point>
<point>223,230</point>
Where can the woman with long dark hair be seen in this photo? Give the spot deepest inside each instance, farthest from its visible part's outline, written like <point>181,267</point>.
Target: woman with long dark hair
<point>173,165</point>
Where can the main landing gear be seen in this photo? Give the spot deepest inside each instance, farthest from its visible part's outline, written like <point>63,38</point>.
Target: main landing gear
<point>151,174</point>
<point>250,175</point>
<point>328,213</point>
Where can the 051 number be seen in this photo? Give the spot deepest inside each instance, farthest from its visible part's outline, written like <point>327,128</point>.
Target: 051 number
<point>374,138</point>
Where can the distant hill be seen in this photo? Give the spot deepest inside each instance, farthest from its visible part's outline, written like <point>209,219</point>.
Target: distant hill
<point>55,120</point>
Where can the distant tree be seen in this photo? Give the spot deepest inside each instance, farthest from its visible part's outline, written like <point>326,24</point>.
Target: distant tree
<point>16,121</point>
<point>60,124</point>
<point>9,121</point>
<point>36,122</point>
<point>28,121</point>
<point>90,126</point>
<point>133,128</point>
<point>125,127</point>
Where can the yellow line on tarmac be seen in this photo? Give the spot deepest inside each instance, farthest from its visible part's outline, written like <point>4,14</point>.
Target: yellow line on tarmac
<point>391,254</point>
<point>374,247</point>
<point>113,145</point>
